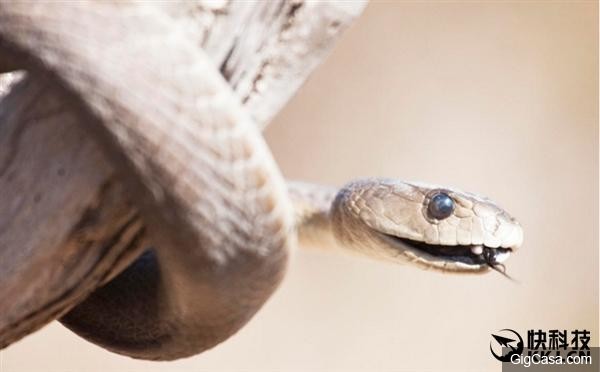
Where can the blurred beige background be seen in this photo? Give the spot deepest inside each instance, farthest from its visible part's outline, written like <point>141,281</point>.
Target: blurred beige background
<point>497,98</point>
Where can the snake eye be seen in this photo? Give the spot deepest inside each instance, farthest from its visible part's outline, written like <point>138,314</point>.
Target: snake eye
<point>440,206</point>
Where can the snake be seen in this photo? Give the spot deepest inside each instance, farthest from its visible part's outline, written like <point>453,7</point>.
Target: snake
<point>212,221</point>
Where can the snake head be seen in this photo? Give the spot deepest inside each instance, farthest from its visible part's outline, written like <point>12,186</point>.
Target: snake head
<point>433,227</point>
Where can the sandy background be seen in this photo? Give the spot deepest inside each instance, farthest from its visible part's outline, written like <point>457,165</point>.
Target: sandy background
<point>497,98</point>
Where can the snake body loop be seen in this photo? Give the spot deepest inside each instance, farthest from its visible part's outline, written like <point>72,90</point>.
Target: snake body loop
<point>205,200</point>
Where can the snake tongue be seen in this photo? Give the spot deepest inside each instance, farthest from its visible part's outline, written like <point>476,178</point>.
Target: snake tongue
<point>499,255</point>
<point>491,256</point>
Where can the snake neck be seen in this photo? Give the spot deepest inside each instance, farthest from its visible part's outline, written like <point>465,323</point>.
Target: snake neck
<point>312,214</point>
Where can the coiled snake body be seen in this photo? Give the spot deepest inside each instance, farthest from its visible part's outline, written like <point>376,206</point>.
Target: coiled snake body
<point>207,195</point>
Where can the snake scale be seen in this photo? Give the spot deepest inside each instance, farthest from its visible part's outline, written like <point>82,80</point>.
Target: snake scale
<point>200,218</point>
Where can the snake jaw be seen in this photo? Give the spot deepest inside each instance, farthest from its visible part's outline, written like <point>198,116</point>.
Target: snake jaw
<point>471,256</point>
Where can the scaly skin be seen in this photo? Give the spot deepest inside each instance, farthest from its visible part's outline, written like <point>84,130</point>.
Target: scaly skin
<point>203,185</point>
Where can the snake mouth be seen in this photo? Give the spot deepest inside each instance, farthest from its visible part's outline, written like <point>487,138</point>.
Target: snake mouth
<point>474,255</point>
